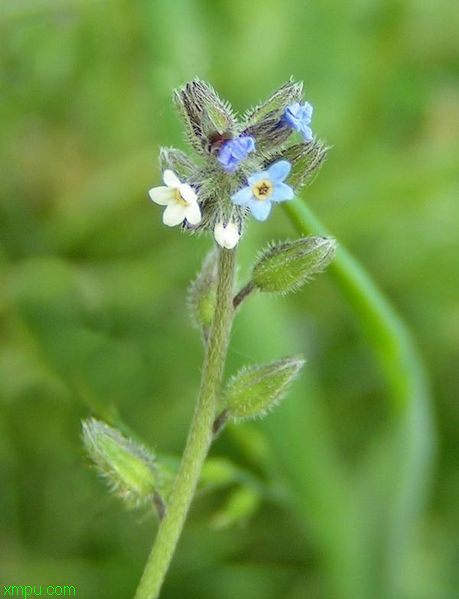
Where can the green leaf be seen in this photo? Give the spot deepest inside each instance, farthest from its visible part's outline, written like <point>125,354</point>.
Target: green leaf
<point>239,507</point>
<point>255,390</point>
<point>285,267</point>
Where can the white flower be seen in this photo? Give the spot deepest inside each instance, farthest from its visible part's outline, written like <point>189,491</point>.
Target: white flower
<point>226,236</point>
<point>179,198</point>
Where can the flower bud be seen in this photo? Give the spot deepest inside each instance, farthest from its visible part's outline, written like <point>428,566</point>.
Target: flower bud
<point>265,122</point>
<point>129,468</point>
<point>178,162</point>
<point>306,159</point>
<point>208,120</point>
<point>254,390</point>
<point>287,266</point>
<point>202,292</point>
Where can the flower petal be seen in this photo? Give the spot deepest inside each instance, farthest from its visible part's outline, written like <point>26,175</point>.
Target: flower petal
<point>258,176</point>
<point>281,192</point>
<point>306,132</point>
<point>188,193</point>
<point>242,197</point>
<point>226,237</point>
<point>174,214</point>
<point>171,179</point>
<point>193,213</point>
<point>161,195</point>
<point>260,209</point>
<point>279,170</point>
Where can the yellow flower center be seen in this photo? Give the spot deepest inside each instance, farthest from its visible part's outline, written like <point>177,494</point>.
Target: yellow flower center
<point>262,189</point>
<point>179,199</point>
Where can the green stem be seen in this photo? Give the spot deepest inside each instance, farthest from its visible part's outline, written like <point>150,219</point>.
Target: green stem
<point>199,437</point>
<point>408,390</point>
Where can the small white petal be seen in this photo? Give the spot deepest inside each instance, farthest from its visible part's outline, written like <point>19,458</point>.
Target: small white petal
<point>174,214</point>
<point>193,213</point>
<point>188,193</point>
<point>171,179</point>
<point>161,195</point>
<point>226,237</point>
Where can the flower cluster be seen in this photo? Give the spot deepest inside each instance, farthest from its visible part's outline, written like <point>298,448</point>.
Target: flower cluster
<point>248,165</point>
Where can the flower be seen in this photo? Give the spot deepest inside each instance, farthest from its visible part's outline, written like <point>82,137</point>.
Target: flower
<point>299,117</point>
<point>235,150</point>
<point>227,236</point>
<point>180,198</point>
<point>265,187</point>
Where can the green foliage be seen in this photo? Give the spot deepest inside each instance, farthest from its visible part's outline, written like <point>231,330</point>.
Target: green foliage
<point>287,266</point>
<point>255,390</point>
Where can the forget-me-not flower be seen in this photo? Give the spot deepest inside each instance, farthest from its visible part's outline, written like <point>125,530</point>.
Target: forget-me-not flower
<point>227,236</point>
<point>299,117</point>
<point>235,150</point>
<point>265,187</point>
<point>179,198</point>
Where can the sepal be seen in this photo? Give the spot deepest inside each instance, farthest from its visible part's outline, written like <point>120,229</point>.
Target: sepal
<point>265,122</point>
<point>208,120</point>
<point>255,390</point>
<point>285,267</point>
<point>202,294</point>
<point>129,468</point>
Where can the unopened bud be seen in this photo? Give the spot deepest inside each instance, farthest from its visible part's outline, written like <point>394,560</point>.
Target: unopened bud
<point>129,468</point>
<point>287,266</point>
<point>208,120</point>
<point>202,293</point>
<point>255,390</point>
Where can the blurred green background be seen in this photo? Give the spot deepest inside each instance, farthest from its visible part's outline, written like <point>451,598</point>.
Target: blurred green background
<point>93,297</point>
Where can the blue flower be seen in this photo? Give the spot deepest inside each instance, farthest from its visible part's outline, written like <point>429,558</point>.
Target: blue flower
<point>265,187</point>
<point>299,117</point>
<point>235,150</point>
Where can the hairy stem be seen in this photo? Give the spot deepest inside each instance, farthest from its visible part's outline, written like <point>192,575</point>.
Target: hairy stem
<point>199,437</point>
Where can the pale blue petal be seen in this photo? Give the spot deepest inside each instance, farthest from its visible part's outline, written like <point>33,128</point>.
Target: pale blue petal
<point>279,170</point>
<point>242,197</point>
<point>281,192</point>
<point>307,133</point>
<point>259,176</point>
<point>260,209</point>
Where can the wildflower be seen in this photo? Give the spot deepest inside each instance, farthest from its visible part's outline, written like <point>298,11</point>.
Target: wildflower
<point>179,198</point>
<point>265,187</point>
<point>227,236</point>
<point>299,117</point>
<point>235,150</point>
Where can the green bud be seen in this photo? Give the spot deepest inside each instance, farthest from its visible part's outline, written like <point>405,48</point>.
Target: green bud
<point>306,159</point>
<point>239,507</point>
<point>177,161</point>
<point>208,120</point>
<point>285,267</point>
<point>264,122</point>
<point>129,468</point>
<point>202,294</point>
<point>254,390</point>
